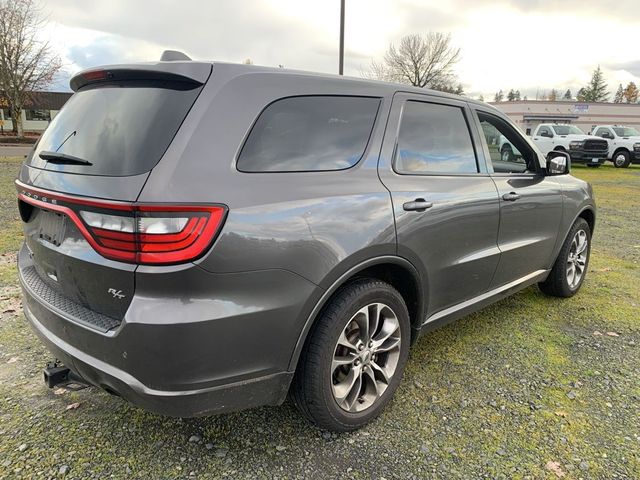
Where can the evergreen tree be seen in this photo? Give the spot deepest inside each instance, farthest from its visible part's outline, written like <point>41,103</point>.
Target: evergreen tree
<point>567,95</point>
<point>511,95</point>
<point>582,95</point>
<point>619,95</point>
<point>499,97</point>
<point>596,90</point>
<point>517,95</point>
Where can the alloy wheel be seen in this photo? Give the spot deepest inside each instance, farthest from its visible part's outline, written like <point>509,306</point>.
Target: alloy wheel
<point>577,259</point>
<point>365,357</point>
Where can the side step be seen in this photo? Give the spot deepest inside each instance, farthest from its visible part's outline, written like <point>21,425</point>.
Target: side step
<point>56,374</point>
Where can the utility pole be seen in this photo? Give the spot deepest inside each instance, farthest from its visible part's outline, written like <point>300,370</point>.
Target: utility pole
<point>341,61</point>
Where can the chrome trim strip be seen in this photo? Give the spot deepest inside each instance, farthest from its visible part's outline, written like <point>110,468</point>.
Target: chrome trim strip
<point>468,303</point>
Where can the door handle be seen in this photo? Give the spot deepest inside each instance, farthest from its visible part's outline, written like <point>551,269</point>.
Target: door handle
<point>510,197</point>
<point>418,205</point>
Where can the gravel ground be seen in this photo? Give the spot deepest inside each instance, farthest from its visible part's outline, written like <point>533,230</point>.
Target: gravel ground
<point>531,387</point>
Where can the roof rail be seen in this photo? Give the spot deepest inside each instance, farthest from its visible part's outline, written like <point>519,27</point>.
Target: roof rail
<point>173,56</point>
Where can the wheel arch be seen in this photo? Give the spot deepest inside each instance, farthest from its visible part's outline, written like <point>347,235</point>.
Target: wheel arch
<point>395,270</point>
<point>589,214</point>
<point>620,149</point>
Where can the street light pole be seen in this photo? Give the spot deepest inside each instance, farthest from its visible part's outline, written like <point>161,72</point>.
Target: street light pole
<point>341,61</point>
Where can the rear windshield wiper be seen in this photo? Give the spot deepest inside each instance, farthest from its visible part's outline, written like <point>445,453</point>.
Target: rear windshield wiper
<point>62,158</point>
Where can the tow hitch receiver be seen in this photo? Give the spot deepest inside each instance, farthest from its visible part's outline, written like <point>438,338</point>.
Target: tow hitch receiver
<point>56,374</point>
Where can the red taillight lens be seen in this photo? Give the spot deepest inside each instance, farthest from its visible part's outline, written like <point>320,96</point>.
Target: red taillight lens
<point>155,234</point>
<point>134,233</point>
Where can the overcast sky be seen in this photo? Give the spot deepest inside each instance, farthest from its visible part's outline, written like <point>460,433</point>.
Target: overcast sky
<point>531,45</point>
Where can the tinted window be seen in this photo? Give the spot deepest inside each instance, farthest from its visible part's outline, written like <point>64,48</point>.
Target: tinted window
<point>508,150</point>
<point>120,129</point>
<point>544,129</point>
<point>434,139</point>
<point>309,133</point>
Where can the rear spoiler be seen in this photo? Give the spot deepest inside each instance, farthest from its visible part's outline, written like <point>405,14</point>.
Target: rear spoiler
<point>187,72</point>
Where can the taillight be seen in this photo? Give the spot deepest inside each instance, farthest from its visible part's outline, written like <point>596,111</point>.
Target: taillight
<point>136,233</point>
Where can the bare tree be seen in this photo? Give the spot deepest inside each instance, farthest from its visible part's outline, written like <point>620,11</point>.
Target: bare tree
<point>419,60</point>
<point>27,63</point>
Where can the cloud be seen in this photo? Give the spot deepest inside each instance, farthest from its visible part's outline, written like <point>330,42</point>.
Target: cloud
<point>525,44</point>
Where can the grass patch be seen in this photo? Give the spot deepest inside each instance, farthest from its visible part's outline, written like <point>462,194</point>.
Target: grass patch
<point>498,394</point>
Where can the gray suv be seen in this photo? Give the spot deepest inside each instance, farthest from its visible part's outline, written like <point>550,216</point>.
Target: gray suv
<point>202,237</point>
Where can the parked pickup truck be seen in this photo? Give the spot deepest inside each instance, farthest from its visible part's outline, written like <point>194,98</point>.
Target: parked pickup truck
<point>624,143</point>
<point>583,148</point>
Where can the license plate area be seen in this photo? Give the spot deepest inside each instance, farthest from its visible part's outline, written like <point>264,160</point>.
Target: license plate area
<point>51,227</point>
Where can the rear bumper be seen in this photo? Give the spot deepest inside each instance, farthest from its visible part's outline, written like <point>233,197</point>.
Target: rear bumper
<point>266,390</point>
<point>226,346</point>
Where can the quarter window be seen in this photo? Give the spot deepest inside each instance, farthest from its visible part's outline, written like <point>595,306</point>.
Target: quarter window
<point>309,133</point>
<point>434,139</point>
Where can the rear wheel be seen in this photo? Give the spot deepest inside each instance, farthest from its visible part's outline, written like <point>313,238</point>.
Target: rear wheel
<point>354,358</point>
<point>621,159</point>
<point>568,272</point>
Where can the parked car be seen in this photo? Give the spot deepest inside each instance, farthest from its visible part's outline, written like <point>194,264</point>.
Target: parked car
<point>583,148</point>
<point>203,237</point>
<point>624,143</point>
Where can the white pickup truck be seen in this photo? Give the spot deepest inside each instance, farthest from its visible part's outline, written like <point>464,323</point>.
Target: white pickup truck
<point>583,148</point>
<point>624,143</point>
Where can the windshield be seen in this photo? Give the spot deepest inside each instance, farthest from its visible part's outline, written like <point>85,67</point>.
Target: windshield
<point>567,130</point>
<point>116,129</point>
<point>626,132</point>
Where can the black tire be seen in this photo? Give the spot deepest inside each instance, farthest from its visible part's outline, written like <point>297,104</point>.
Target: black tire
<point>312,388</point>
<point>557,283</point>
<point>621,159</point>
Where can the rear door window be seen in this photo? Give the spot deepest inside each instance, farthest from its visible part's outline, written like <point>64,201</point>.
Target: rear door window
<point>434,138</point>
<point>309,133</point>
<point>119,129</point>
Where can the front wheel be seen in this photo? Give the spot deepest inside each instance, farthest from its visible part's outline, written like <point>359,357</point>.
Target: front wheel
<point>621,159</point>
<point>354,358</point>
<point>568,272</point>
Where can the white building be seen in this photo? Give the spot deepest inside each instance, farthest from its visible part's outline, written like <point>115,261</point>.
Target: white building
<point>36,115</point>
<point>527,114</point>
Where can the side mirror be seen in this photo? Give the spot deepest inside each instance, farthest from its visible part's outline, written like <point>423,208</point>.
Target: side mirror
<point>558,163</point>
<point>545,133</point>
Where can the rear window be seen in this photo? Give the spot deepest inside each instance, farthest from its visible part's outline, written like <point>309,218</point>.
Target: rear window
<point>121,129</point>
<point>309,133</point>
